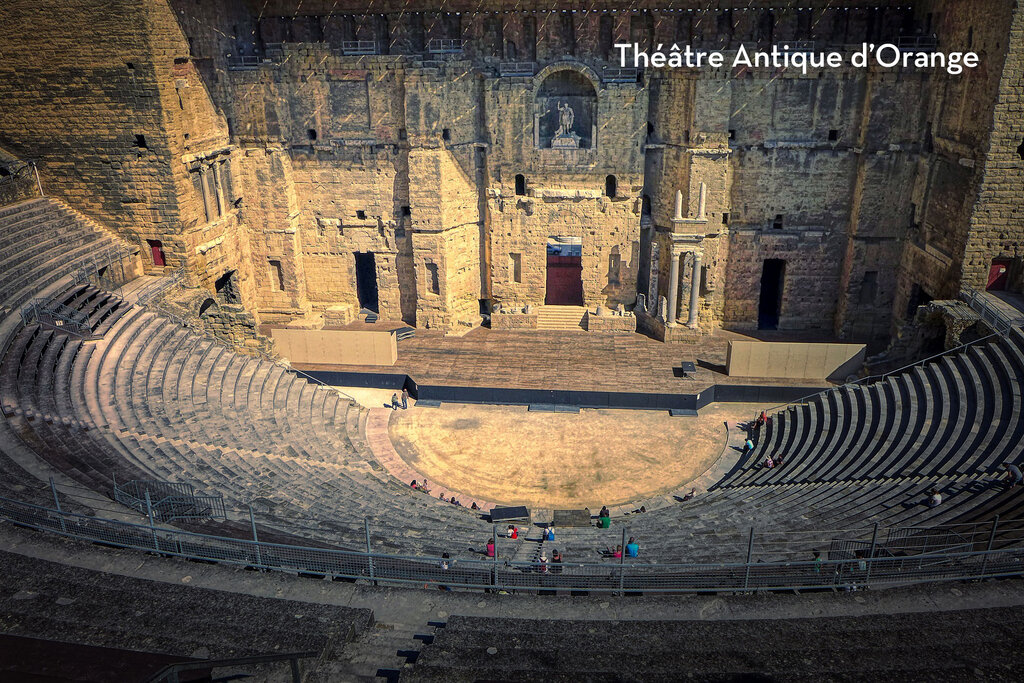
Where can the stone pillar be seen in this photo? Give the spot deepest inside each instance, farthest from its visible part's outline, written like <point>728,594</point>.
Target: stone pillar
<point>702,202</point>
<point>679,205</point>
<point>694,290</point>
<point>218,188</point>
<point>673,288</point>
<point>207,204</point>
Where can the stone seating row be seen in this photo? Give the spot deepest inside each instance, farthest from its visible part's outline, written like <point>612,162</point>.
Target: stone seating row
<point>904,646</point>
<point>154,399</point>
<point>42,241</point>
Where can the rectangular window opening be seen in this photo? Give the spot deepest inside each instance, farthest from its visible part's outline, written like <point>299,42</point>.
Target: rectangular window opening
<point>516,267</point>
<point>276,276</point>
<point>433,278</point>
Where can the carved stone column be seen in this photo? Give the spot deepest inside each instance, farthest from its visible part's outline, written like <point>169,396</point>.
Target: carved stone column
<point>205,189</point>
<point>218,188</point>
<point>673,288</point>
<point>694,290</point>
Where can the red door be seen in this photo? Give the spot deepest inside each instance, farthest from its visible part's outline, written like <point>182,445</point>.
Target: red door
<point>998,274</point>
<point>564,281</point>
<point>156,248</point>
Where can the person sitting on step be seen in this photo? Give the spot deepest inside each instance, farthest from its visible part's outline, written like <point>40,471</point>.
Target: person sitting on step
<point>549,533</point>
<point>632,548</point>
<point>556,562</point>
<point>690,495</point>
<point>1013,474</point>
<point>934,498</point>
<point>768,462</point>
<point>490,548</point>
<point>512,532</point>
<point>415,485</point>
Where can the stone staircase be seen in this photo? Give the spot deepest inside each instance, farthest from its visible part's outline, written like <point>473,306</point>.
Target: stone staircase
<point>560,317</point>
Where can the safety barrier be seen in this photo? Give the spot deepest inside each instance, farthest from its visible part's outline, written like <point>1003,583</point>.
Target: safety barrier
<point>867,566</point>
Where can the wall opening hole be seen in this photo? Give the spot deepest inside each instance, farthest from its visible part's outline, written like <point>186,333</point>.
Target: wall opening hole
<point>140,141</point>
<point>609,186</point>
<point>520,184</point>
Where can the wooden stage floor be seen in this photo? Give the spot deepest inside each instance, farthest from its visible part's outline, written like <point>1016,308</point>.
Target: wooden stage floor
<point>567,360</point>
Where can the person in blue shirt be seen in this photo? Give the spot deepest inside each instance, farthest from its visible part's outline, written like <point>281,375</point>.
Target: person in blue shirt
<point>632,548</point>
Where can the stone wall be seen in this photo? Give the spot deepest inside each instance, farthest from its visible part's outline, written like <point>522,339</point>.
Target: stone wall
<point>250,141</point>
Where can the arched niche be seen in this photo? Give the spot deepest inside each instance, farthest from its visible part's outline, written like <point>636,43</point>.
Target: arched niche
<point>565,109</point>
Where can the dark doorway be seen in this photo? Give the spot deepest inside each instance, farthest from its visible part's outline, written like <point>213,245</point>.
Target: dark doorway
<point>227,287</point>
<point>998,275</point>
<point>918,297</point>
<point>564,272</point>
<point>156,248</point>
<point>772,281</point>
<point>366,280</point>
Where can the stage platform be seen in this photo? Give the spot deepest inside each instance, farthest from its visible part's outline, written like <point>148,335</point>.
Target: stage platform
<point>542,367</point>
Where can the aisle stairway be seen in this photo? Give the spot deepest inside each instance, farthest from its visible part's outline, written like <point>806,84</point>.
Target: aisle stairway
<point>560,317</point>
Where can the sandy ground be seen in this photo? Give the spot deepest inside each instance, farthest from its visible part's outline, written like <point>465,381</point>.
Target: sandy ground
<point>561,460</point>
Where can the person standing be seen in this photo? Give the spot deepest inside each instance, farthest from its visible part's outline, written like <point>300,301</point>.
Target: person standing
<point>405,399</point>
<point>394,402</point>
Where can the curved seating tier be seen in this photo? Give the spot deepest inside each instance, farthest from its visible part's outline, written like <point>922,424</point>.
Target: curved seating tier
<point>155,400</point>
<point>960,644</point>
<point>42,241</point>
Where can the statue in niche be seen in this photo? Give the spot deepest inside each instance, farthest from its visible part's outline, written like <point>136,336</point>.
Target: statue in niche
<point>565,138</point>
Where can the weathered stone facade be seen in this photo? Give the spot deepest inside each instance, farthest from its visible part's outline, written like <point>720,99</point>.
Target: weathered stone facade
<point>416,159</point>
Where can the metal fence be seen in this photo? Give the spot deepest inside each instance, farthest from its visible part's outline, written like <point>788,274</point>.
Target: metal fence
<point>850,571</point>
<point>445,46</point>
<point>56,316</point>
<point>168,501</point>
<point>993,317</point>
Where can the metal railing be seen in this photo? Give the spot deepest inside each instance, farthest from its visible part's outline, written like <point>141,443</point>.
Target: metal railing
<point>56,316</point>
<point>918,43</point>
<point>20,182</point>
<point>805,46</point>
<point>445,46</point>
<point>359,47</point>
<point>97,265</point>
<point>157,290</point>
<point>993,317</point>
<point>512,69</point>
<point>872,567</point>
<point>618,74</point>
<point>168,501</point>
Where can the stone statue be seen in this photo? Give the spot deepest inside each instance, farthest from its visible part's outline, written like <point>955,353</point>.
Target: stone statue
<point>566,117</point>
<point>564,137</point>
